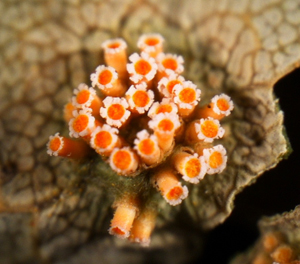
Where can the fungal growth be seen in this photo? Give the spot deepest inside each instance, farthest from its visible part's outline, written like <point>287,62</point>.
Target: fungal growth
<point>143,119</point>
<point>278,242</point>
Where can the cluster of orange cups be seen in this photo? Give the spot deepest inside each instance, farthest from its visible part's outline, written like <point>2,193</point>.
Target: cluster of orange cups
<point>140,114</point>
<point>274,248</point>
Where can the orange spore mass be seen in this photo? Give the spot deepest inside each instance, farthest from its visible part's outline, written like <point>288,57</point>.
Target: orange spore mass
<point>103,139</point>
<point>215,160</point>
<point>80,123</point>
<point>223,104</point>
<point>122,159</point>
<point>105,77</point>
<point>83,96</point>
<point>193,168</point>
<point>142,67</point>
<point>282,254</point>
<point>175,193</point>
<point>262,258</point>
<point>209,129</point>
<point>171,85</point>
<point>140,98</point>
<point>166,125</point>
<point>164,109</point>
<point>114,45</point>
<point>55,144</point>
<point>115,111</point>
<point>146,146</point>
<point>270,242</point>
<point>151,41</point>
<point>69,107</point>
<point>170,63</point>
<point>118,231</point>
<point>187,95</point>
<point>68,111</point>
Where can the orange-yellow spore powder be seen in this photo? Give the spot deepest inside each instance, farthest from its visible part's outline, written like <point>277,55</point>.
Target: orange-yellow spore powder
<point>209,129</point>
<point>122,159</point>
<point>80,123</point>
<point>164,109</point>
<point>83,96</point>
<point>270,241</point>
<point>103,139</point>
<point>187,95</point>
<point>193,168</point>
<point>118,231</point>
<point>115,111</point>
<point>146,146</point>
<point>114,45</point>
<point>215,160</point>
<point>283,254</point>
<point>223,104</point>
<point>142,67</point>
<point>105,77</point>
<point>140,98</point>
<point>55,144</point>
<point>170,63</point>
<point>262,258</point>
<point>151,41</point>
<point>171,85</point>
<point>166,125</point>
<point>175,193</point>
